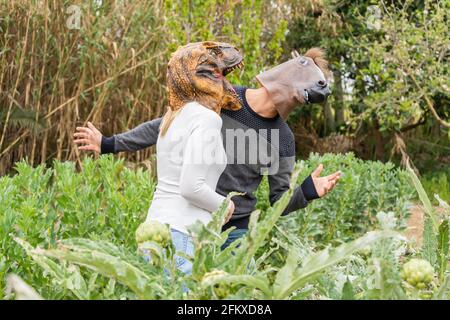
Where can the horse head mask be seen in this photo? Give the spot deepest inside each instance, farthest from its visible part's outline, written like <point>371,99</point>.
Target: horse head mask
<point>303,79</point>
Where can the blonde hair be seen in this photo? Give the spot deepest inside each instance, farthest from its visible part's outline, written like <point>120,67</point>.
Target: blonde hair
<point>167,120</point>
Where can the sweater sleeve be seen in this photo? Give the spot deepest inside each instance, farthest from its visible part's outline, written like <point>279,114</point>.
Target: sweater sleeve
<point>143,136</point>
<point>279,183</point>
<point>193,186</point>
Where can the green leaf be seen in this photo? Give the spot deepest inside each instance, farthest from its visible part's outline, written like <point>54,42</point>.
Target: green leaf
<point>442,293</point>
<point>443,239</point>
<point>430,244</point>
<point>386,272</point>
<point>423,197</point>
<point>65,276</point>
<point>318,262</point>
<point>286,274</point>
<point>262,227</point>
<point>21,290</point>
<point>347,291</point>
<point>258,282</point>
<point>108,260</point>
<point>30,119</point>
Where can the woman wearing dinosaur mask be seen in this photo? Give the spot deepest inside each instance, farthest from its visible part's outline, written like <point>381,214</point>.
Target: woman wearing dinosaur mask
<point>190,153</point>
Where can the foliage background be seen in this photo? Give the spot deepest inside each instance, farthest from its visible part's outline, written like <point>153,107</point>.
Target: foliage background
<point>110,71</point>
<point>107,201</point>
<point>390,100</point>
<point>389,62</point>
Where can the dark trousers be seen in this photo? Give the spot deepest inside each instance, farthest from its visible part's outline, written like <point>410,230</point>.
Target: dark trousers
<point>234,235</point>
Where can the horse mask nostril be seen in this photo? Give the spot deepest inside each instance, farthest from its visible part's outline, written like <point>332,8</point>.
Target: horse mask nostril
<point>322,83</point>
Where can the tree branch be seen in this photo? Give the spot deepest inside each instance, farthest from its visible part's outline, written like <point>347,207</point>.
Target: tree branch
<point>429,103</point>
<point>414,125</point>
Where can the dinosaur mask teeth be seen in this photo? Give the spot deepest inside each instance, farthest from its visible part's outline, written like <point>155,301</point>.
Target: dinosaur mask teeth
<point>226,71</point>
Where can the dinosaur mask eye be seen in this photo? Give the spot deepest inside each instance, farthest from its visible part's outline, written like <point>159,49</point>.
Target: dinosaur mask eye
<point>216,51</point>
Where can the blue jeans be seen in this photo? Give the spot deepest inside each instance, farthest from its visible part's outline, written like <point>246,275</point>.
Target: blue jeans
<point>183,243</point>
<point>234,235</point>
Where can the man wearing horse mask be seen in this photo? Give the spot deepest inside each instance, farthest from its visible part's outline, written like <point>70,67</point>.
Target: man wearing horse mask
<point>256,138</point>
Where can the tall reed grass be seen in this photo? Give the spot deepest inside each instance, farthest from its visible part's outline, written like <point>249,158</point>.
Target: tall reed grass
<point>110,69</point>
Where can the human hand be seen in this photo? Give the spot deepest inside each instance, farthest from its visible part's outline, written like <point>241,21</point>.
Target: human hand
<point>231,208</point>
<point>89,138</point>
<point>325,184</point>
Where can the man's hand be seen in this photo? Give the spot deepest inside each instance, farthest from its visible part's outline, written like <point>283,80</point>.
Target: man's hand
<point>89,138</point>
<point>324,184</point>
<point>230,212</point>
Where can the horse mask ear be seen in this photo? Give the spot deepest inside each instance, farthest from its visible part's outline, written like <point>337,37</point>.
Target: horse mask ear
<point>288,83</point>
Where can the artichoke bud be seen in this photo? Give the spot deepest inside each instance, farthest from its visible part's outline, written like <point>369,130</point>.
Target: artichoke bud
<point>418,273</point>
<point>153,231</point>
<point>221,290</point>
<point>212,276</point>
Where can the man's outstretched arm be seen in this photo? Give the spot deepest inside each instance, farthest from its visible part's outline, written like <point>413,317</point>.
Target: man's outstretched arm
<point>279,183</point>
<point>313,187</point>
<point>143,136</point>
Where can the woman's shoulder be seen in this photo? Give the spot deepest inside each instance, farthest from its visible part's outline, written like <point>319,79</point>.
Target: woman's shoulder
<point>200,115</point>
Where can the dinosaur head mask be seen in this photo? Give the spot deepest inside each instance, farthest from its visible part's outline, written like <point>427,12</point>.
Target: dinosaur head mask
<point>197,71</point>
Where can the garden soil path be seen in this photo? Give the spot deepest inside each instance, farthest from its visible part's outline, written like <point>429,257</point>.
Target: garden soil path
<point>415,224</point>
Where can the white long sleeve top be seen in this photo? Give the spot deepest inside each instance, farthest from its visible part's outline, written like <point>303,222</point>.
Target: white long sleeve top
<point>190,159</point>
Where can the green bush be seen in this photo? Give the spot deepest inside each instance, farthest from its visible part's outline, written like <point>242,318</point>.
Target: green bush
<point>104,201</point>
<point>107,201</point>
<point>365,188</point>
<point>437,183</point>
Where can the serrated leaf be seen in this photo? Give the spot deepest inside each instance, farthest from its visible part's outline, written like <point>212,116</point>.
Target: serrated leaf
<point>318,262</point>
<point>90,254</point>
<point>442,293</point>
<point>22,291</point>
<point>286,274</point>
<point>263,226</point>
<point>430,244</point>
<point>62,275</point>
<point>443,239</point>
